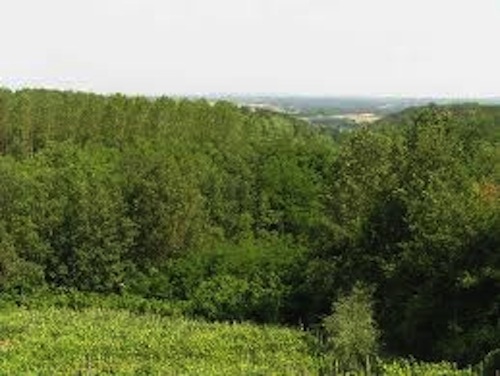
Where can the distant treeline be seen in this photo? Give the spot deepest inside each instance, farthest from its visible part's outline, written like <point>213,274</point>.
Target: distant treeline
<point>251,215</point>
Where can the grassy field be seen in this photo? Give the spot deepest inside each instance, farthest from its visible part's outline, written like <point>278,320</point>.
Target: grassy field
<point>62,341</point>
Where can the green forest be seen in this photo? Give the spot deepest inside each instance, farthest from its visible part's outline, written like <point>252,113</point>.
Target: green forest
<point>380,243</point>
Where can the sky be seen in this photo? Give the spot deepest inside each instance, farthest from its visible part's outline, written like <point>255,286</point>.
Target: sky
<point>412,48</point>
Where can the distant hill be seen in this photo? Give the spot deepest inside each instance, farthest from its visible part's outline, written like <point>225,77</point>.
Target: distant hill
<point>484,119</point>
<point>329,105</point>
<point>346,113</point>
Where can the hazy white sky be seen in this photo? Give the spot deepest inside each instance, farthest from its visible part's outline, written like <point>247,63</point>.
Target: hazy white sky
<point>337,47</point>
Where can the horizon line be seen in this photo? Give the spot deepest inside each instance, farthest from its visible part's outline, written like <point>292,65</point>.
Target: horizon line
<point>256,94</point>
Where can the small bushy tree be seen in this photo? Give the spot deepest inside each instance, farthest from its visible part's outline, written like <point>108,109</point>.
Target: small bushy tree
<point>16,274</point>
<point>352,333</point>
<point>492,363</point>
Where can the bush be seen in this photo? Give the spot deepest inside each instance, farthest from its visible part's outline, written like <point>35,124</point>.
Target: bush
<point>352,334</point>
<point>492,363</point>
<point>225,297</point>
<point>16,274</point>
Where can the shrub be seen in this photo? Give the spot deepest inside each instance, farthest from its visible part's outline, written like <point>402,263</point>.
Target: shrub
<point>492,363</point>
<point>16,274</point>
<point>352,333</point>
<point>226,297</point>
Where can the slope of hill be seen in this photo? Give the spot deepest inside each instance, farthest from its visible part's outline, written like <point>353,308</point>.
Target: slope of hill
<point>96,341</point>
<point>235,214</point>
